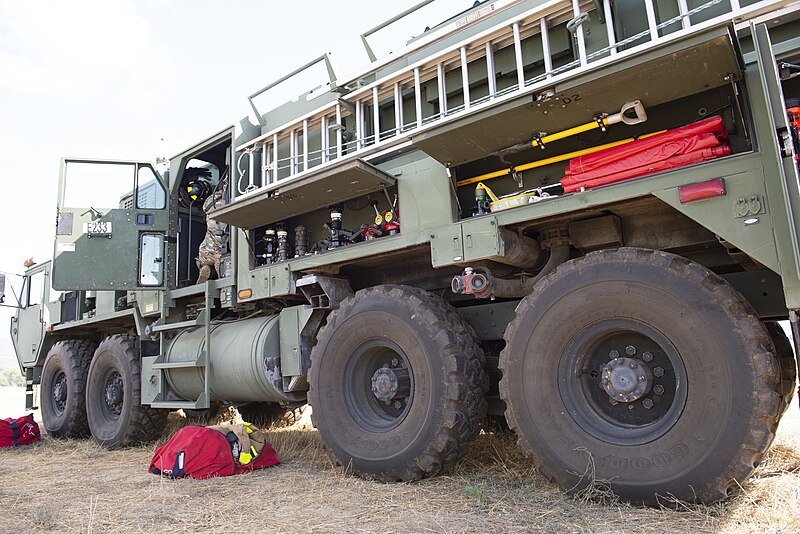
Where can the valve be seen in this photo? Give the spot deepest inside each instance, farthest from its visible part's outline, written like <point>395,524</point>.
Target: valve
<point>270,240</point>
<point>472,283</point>
<point>282,246</point>
<point>339,236</point>
<point>378,215</point>
<point>300,241</point>
<point>368,232</point>
<point>391,222</point>
<point>482,201</point>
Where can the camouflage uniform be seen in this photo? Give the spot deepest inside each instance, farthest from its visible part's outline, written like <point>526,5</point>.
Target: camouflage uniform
<point>210,250</point>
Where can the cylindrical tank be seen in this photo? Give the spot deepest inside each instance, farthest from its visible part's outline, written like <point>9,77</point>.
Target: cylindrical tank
<point>244,362</point>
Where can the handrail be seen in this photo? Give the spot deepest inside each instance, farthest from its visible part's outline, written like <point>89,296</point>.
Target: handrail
<point>326,57</point>
<point>328,116</point>
<point>389,22</point>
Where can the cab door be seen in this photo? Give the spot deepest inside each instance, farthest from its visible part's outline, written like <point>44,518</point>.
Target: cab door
<point>779,143</point>
<point>111,226</point>
<point>27,326</point>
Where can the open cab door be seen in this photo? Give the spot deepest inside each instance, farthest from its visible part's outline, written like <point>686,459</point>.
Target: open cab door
<point>780,143</point>
<point>111,227</point>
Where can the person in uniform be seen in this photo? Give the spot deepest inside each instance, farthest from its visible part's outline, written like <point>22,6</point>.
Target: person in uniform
<point>210,250</point>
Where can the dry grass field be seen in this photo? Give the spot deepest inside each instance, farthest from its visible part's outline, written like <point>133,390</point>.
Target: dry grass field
<point>76,486</point>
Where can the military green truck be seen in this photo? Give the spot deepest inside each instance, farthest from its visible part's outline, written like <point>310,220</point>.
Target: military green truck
<point>577,220</point>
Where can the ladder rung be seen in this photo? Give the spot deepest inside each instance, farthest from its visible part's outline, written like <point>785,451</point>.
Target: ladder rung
<point>197,289</point>
<point>176,405</point>
<point>198,363</point>
<point>178,325</point>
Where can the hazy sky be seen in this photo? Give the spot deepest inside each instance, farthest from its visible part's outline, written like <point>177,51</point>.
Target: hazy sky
<point>113,78</point>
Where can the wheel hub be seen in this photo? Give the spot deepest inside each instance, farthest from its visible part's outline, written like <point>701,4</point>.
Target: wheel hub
<point>114,394</point>
<point>378,385</point>
<point>388,383</point>
<point>59,392</point>
<point>626,379</point>
<point>603,388</point>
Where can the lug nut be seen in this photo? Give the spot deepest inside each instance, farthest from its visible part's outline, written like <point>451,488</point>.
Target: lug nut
<point>658,389</point>
<point>398,405</point>
<point>647,404</point>
<point>613,354</point>
<point>630,406</point>
<point>630,350</point>
<point>612,401</point>
<point>394,362</point>
<point>658,371</point>
<point>647,356</point>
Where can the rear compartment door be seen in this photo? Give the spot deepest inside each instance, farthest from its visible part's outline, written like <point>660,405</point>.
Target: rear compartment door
<point>111,226</point>
<point>780,143</point>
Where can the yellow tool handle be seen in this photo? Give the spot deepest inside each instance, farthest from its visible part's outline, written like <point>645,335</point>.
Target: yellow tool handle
<point>569,132</point>
<point>554,159</point>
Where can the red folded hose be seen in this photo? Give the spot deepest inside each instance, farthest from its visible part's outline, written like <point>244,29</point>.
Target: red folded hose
<point>681,160</point>
<point>649,156</point>
<point>606,157</point>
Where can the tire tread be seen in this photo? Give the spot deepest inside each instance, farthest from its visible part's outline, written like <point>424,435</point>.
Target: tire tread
<point>467,382</point>
<point>767,387</point>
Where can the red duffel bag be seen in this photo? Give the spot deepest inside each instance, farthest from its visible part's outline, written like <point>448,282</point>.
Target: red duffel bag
<point>19,431</point>
<point>201,452</point>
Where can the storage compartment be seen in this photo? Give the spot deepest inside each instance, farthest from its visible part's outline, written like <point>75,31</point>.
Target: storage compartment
<point>655,76</point>
<point>312,191</point>
<point>357,220</point>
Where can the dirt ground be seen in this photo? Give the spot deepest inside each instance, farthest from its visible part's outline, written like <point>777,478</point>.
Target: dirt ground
<point>76,486</point>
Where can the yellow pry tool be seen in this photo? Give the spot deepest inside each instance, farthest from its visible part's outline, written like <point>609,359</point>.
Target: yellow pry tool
<point>548,161</point>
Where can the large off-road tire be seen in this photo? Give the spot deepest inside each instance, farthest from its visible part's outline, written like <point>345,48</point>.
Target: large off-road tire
<point>63,388</point>
<point>113,396</point>
<point>397,384</point>
<point>788,364</point>
<point>624,318</point>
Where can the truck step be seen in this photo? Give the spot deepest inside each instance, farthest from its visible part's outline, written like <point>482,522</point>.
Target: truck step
<point>180,324</point>
<point>200,362</point>
<point>179,405</point>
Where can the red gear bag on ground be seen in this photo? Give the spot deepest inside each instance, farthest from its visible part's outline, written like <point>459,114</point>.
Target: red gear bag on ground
<point>199,452</point>
<point>19,431</point>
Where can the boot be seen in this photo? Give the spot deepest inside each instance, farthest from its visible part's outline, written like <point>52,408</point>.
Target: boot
<point>205,274</point>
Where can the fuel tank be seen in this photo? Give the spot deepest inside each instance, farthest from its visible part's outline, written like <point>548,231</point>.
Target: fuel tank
<point>244,362</point>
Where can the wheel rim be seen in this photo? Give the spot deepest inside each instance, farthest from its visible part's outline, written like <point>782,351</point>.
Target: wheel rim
<point>622,381</point>
<point>113,395</point>
<point>379,385</point>
<point>58,393</point>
